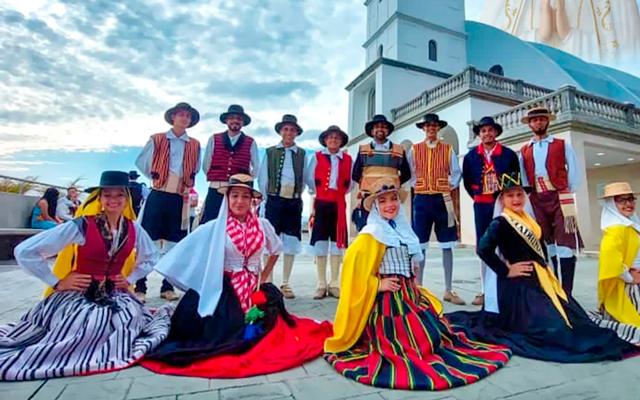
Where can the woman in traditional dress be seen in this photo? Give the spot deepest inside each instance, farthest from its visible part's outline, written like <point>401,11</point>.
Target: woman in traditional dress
<point>89,322</point>
<point>619,276</point>
<point>43,215</point>
<point>224,327</point>
<point>388,332</point>
<point>526,308</point>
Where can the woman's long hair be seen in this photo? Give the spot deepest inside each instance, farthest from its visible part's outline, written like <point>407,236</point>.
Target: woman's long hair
<point>51,197</point>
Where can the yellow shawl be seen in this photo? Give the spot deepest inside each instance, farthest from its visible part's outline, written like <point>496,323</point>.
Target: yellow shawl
<point>619,247</point>
<point>66,260</point>
<point>358,290</point>
<point>546,278</point>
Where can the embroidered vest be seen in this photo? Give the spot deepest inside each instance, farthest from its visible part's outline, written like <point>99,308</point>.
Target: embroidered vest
<point>227,160</point>
<point>379,164</point>
<point>323,177</point>
<point>160,163</point>
<point>275,162</point>
<point>556,164</point>
<point>93,256</point>
<point>432,168</point>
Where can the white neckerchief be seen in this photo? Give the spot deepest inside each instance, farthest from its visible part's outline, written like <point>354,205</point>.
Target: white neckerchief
<point>381,230</point>
<point>611,216</point>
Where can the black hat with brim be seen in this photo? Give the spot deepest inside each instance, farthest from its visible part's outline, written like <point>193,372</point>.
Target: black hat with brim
<point>112,179</point>
<point>195,115</point>
<point>134,175</point>
<point>431,118</point>
<point>378,119</point>
<point>487,121</point>
<point>235,109</point>
<point>243,181</point>
<point>289,119</point>
<point>331,129</point>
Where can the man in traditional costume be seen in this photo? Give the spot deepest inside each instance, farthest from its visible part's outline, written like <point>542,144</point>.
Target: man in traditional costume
<point>329,178</point>
<point>170,160</point>
<point>228,153</point>
<point>282,181</point>
<point>550,167</point>
<point>481,168</point>
<point>596,31</point>
<point>435,173</point>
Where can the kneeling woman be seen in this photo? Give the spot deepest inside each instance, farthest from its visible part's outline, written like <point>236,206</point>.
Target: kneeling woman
<point>619,277</point>
<point>225,327</point>
<point>389,332</point>
<point>526,308</point>
<point>89,322</point>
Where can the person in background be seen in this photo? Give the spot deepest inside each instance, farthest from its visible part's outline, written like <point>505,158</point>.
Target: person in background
<point>193,204</point>
<point>68,205</point>
<point>43,215</point>
<point>359,214</point>
<point>139,191</point>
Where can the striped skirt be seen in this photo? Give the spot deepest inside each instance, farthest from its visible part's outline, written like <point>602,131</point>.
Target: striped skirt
<point>628,333</point>
<point>67,335</point>
<point>407,345</point>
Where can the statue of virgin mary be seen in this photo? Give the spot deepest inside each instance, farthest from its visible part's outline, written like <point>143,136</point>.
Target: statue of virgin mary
<point>598,31</point>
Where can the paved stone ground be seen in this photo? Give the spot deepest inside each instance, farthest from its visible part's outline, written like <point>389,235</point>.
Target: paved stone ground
<point>522,379</point>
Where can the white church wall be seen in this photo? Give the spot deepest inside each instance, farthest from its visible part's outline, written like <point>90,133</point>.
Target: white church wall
<point>387,39</point>
<point>398,85</point>
<point>359,105</point>
<point>448,14</point>
<point>378,12</point>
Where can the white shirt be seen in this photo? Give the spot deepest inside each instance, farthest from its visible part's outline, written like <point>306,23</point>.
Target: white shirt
<point>63,209</point>
<point>386,146</point>
<point>32,254</point>
<point>333,177</point>
<point>540,153</point>
<point>234,260</point>
<point>208,153</point>
<point>176,155</point>
<point>287,176</point>
<point>454,176</point>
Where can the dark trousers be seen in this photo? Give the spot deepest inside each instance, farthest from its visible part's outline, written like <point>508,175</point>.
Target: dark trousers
<point>483,215</point>
<point>211,206</point>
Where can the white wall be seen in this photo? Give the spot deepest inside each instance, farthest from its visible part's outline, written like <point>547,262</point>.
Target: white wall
<point>388,39</point>
<point>449,13</point>
<point>397,86</point>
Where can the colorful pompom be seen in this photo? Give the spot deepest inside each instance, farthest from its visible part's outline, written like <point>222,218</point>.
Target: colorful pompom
<point>253,315</point>
<point>252,332</point>
<point>258,298</point>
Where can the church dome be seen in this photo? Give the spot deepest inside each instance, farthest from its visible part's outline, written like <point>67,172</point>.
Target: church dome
<point>545,66</point>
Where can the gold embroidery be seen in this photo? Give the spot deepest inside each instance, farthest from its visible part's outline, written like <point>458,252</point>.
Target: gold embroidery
<point>580,13</point>
<point>605,26</point>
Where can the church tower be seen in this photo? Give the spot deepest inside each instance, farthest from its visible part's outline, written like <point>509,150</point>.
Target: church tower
<point>411,46</point>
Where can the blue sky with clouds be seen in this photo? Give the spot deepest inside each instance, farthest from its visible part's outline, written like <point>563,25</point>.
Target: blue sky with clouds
<point>85,82</point>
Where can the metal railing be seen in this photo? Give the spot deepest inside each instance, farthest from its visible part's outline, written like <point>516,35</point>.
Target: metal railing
<point>10,184</point>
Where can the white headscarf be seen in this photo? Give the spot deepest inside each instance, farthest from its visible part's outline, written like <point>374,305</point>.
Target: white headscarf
<point>381,230</point>
<point>197,262</point>
<point>611,216</point>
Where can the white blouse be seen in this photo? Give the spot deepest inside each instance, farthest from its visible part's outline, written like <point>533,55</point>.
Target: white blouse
<point>32,254</point>
<point>272,245</point>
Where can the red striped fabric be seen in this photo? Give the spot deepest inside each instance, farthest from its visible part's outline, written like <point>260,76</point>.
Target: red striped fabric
<point>432,168</point>
<point>248,238</point>
<point>160,163</point>
<point>244,283</point>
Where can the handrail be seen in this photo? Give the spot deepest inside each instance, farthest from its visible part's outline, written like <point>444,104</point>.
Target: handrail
<point>27,181</point>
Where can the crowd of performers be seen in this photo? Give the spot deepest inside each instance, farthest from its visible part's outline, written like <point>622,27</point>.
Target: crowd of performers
<point>389,331</point>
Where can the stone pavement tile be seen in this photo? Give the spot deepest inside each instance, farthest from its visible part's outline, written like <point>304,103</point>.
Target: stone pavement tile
<point>19,390</point>
<point>134,372</point>
<point>46,392</point>
<point>296,373</point>
<point>415,395</point>
<point>616,385</point>
<point>105,390</point>
<point>319,367</point>
<point>568,391</point>
<point>232,383</point>
<point>372,396</point>
<point>481,390</point>
<point>523,379</point>
<point>82,379</point>
<point>212,395</point>
<point>271,391</point>
<point>165,385</point>
<point>329,387</point>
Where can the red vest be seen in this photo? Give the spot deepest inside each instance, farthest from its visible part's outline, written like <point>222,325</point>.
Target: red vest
<point>227,160</point>
<point>160,163</point>
<point>323,174</point>
<point>556,164</point>
<point>93,256</point>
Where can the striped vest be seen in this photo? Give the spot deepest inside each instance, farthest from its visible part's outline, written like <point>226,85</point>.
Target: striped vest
<point>275,162</point>
<point>379,164</point>
<point>160,163</point>
<point>432,168</point>
<point>227,160</point>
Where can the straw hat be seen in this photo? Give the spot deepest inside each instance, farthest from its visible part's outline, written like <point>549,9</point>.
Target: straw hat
<point>538,112</point>
<point>617,189</point>
<point>241,180</point>
<point>382,186</point>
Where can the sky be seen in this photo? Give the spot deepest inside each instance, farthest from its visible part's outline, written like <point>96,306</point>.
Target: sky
<point>84,83</point>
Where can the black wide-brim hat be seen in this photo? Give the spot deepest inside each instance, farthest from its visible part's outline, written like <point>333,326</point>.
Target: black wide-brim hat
<point>134,175</point>
<point>112,179</point>
<point>429,118</point>
<point>331,129</point>
<point>487,121</point>
<point>243,181</point>
<point>378,119</point>
<point>195,115</point>
<point>235,109</point>
<point>288,119</point>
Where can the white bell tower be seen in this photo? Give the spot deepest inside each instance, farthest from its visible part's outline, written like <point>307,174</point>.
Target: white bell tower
<point>411,46</point>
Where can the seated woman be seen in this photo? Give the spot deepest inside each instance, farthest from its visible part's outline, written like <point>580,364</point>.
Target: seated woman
<point>526,308</point>
<point>619,277</point>
<point>388,332</point>
<point>43,215</point>
<point>224,327</point>
<point>89,322</point>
